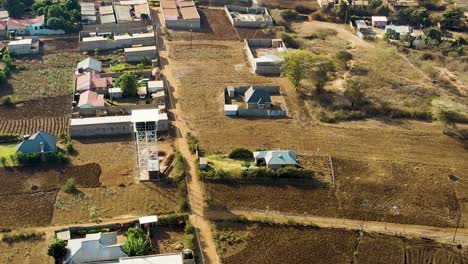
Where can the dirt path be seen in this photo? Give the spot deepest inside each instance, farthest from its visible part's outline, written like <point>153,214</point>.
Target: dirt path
<point>454,80</point>
<point>195,189</point>
<point>441,235</point>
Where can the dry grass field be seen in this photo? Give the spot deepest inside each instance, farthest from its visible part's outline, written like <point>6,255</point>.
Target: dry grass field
<point>261,243</point>
<point>133,200</point>
<point>25,252</point>
<point>200,72</point>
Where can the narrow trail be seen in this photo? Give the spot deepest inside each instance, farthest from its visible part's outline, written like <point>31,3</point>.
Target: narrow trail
<point>438,234</point>
<point>196,194</point>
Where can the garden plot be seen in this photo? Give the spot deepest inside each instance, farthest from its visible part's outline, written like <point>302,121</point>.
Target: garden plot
<point>91,204</point>
<point>25,252</point>
<point>259,243</point>
<point>379,191</point>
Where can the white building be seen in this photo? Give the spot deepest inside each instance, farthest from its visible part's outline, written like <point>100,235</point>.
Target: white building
<point>22,47</point>
<point>138,53</point>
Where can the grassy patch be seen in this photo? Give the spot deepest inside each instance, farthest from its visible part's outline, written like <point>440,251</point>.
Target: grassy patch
<point>6,151</point>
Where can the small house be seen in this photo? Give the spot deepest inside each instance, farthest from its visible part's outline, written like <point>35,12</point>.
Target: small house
<point>89,65</point>
<point>142,92</point>
<point>275,159</point>
<point>138,53</point>
<point>379,21</point>
<point>38,143</point>
<point>88,12</point>
<point>22,47</point>
<point>396,32</point>
<point>203,161</point>
<point>155,86</point>
<point>257,99</point>
<point>33,26</point>
<point>115,92</point>
<point>97,247</point>
<point>90,99</point>
<point>92,81</point>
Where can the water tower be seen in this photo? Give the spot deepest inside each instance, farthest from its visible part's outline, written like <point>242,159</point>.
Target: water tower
<point>145,126</point>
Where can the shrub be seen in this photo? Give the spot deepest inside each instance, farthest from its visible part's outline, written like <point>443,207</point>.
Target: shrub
<point>188,228</point>
<point>137,243</point>
<point>344,56</point>
<point>8,102</point>
<point>189,241</point>
<point>216,174</point>
<point>289,14</point>
<point>70,186</point>
<point>192,142</point>
<point>22,236</point>
<point>179,167</point>
<point>7,138</point>
<point>173,219</point>
<point>241,153</point>
<point>57,248</point>
<point>304,9</point>
<point>290,40</point>
<point>3,161</point>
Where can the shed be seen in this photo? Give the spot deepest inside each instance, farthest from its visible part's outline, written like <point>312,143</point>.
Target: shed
<point>89,65</point>
<point>155,86</point>
<point>203,163</point>
<point>148,222</point>
<point>142,91</point>
<point>230,109</point>
<point>115,92</point>
<point>136,54</point>
<point>379,21</point>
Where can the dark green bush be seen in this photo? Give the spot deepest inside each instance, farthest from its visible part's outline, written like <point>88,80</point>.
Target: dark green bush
<point>192,142</point>
<point>282,173</point>
<point>22,236</point>
<point>70,186</point>
<point>241,153</point>
<point>57,248</point>
<point>173,219</point>
<point>7,138</point>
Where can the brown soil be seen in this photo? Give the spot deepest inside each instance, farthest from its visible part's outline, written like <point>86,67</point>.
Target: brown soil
<point>58,106</point>
<point>291,4</point>
<point>112,201</point>
<point>115,155</point>
<point>380,191</point>
<point>34,179</point>
<point>313,245</point>
<point>28,209</point>
<point>167,239</point>
<point>215,26</point>
<point>25,252</point>
<point>52,125</point>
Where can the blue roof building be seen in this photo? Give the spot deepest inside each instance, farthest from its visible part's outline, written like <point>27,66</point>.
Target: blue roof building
<point>39,142</point>
<point>89,65</point>
<point>275,159</point>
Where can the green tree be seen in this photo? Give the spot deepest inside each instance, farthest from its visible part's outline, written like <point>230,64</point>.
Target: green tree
<point>355,94</point>
<point>57,249</point>
<point>452,17</point>
<point>128,83</point>
<point>137,243</point>
<point>413,16</point>
<point>296,66</point>
<point>320,71</point>
<point>70,186</point>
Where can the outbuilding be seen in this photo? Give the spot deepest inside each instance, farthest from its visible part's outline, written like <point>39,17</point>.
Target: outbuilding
<point>138,53</point>
<point>155,86</point>
<point>379,21</point>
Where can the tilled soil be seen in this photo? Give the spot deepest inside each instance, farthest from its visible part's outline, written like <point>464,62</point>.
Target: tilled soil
<point>313,245</point>
<point>57,106</point>
<point>37,179</point>
<point>378,191</point>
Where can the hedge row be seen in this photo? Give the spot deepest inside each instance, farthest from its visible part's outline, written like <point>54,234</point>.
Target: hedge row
<point>8,138</point>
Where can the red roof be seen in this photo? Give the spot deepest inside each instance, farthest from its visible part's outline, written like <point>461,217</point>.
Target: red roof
<point>3,25</point>
<point>92,99</point>
<point>90,80</point>
<point>22,23</point>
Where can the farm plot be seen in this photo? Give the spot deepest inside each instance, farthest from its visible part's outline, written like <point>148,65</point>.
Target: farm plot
<point>30,179</point>
<point>259,243</point>
<point>48,76</point>
<point>379,191</point>
<point>27,209</point>
<point>116,157</point>
<point>28,194</point>
<point>215,26</point>
<point>112,201</point>
<point>57,106</point>
<point>168,239</point>
<point>52,125</point>
<point>25,252</point>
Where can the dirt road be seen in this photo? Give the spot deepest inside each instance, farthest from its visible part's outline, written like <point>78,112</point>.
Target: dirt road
<point>195,190</point>
<point>441,235</point>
